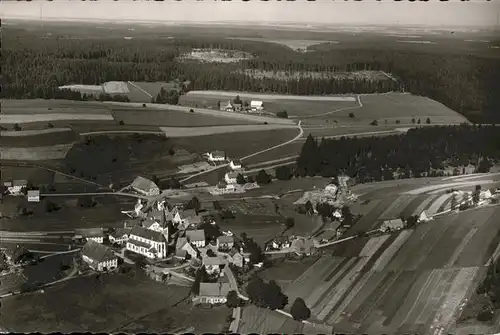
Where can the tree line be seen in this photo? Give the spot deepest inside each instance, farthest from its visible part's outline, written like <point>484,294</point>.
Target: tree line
<point>420,152</point>
<point>34,68</point>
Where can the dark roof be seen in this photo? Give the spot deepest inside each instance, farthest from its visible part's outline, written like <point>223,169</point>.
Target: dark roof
<point>214,289</point>
<point>225,239</point>
<point>218,153</point>
<point>97,252</point>
<point>195,235</point>
<point>20,183</point>
<point>232,174</point>
<point>119,232</point>
<point>143,184</point>
<point>139,243</point>
<point>158,215</point>
<point>148,234</point>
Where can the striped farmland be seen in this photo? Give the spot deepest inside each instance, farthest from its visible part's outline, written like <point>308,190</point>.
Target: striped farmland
<point>433,209</point>
<point>425,204</point>
<point>300,285</point>
<point>460,247</point>
<point>397,208</point>
<point>389,253</point>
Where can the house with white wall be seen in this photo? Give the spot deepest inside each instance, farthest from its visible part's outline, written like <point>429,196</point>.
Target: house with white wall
<point>196,237</point>
<point>147,242</point>
<point>34,196</point>
<point>256,106</point>
<point>225,242</point>
<point>217,156</point>
<point>213,293</point>
<point>16,187</point>
<point>213,264</point>
<point>235,164</point>
<point>392,225</point>
<point>231,177</point>
<point>99,257</point>
<point>119,235</point>
<point>281,242</point>
<point>93,234</point>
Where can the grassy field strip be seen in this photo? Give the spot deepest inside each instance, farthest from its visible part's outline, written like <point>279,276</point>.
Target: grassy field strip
<point>426,246</point>
<point>329,286</point>
<point>411,246</point>
<point>395,211</point>
<point>446,204</point>
<point>26,118</point>
<point>310,271</point>
<point>460,248</point>
<point>433,209</point>
<point>211,130</point>
<point>391,303</point>
<point>204,111</point>
<point>377,290</point>
<point>418,302</point>
<point>454,297</point>
<point>272,322</point>
<point>426,296</point>
<point>271,96</point>
<point>424,204</point>
<point>437,296</point>
<point>442,187</point>
<point>15,133</point>
<point>347,280</point>
<point>359,300</point>
<point>305,288</point>
<point>251,319</point>
<point>350,296</point>
<point>393,205</point>
<point>58,151</point>
<point>318,290</point>
<point>389,253</point>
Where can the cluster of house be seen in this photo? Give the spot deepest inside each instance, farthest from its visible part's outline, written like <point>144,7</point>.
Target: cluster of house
<point>19,188</point>
<point>254,107</point>
<point>145,186</point>
<point>229,183</point>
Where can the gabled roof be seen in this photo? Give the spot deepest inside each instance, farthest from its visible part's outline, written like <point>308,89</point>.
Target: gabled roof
<point>97,252</point>
<point>20,182</point>
<point>195,235</point>
<point>236,162</point>
<point>33,193</point>
<point>143,184</point>
<point>120,232</point>
<point>181,241</point>
<point>225,239</point>
<point>157,215</point>
<point>281,239</point>
<point>218,153</point>
<point>187,213</point>
<point>232,174</point>
<point>214,289</point>
<point>150,235</point>
<point>213,260</point>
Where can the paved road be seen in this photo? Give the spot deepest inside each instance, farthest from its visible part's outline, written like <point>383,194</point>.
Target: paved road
<point>105,132</point>
<point>95,194</point>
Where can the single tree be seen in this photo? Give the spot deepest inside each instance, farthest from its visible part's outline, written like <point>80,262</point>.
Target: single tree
<point>428,121</point>
<point>191,110</point>
<point>217,205</point>
<point>263,177</point>
<point>274,297</point>
<point>17,127</point>
<point>50,125</point>
<point>374,123</point>
<point>299,310</point>
<point>233,300</point>
<point>86,202</point>
<point>237,100</point>
<point>413,120</point>
<point>283,114</point>
<point>398,122</point>
<point>309,207</point>
<point>418,122</point>
<point>289,222</point>
<point>240,179</point>
<point>283,173</point>
<point>351,115</point>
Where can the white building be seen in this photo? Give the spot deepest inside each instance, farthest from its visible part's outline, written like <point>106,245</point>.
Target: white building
<point>186,218</point>
<point>34,196</point>
<point>99,257</point>
<point>235,164</point>
<point>230,177</point>
<point>423,217</point>
<point>183,248</point>
<point>256,105</point>
<point>196,237</point>
<point>391,225</point>
<point>147,242</point>
<point>145,186</point>
<point>213,293</point>
<point>16,187</point>
<point>227,107</point>
<point>90,234</point>
<point>217,156</point>
<point>120,235</point>
<point>281,242</point>
<point>225,242</point>
<point>213,264</point>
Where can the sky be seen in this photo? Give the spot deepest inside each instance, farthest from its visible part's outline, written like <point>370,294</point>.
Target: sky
<point>385,12</point>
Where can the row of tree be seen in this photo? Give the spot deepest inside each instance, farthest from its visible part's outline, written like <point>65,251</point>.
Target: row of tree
<point>35,68</point>
<point>417,153</point>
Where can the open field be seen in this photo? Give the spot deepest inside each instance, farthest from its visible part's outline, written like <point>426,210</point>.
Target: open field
<point>49,117</point>
<point>155,117</point>
<point>106,307</point>
<point>264,321</point>
<point>292,44</point>
<point>407,282</point>
<point>261,228</point>
<point>203,131</point>
<point>289,150</point>
<point>38,138</point>
<point>41,106</point>
<point>58,151</point>
<point>232,95</point>
<point>35,175</point>
<point>21,133</point>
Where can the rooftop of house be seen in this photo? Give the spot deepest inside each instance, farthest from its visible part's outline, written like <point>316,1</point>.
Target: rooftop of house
<point>232,174</point>
<point>33,193</point>
<point>157,215</point>
<point>143,184</point>
<point>148,234</point>
<point>187,213</point>
<point>225,239</point>
<point>195,235</point>
<point>394,222</point>
<point>19,182</point>
<point>120,232</point>
<point>181,241</point>
<point>213,260</point>
<point>90,232</point>
<point>233,252</point>
<point>236,162</point>
<point>97,252</point>
<point>214,289</point>
<point>281,239</point>
<point>218,153</point>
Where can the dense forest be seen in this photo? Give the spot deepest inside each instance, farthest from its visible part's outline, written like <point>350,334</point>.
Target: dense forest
<point>424,151</point>
<point>34,65</point>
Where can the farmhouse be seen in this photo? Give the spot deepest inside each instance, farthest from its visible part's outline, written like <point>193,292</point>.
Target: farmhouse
<point>223,188</point>
<point>468,169</point>
<point>227,107</point>
<point>145,186</point>
<point>281,242</point>
<point>302,246</point>
<point>99,257</point>
<point>186,218</point>
<point>147,242</point>
<point>217,156</point>
<point>213,264</point>
<point>235,164</point>
<point>183,248</point>
<point>327,235</point>
<point>34,196</point>
<point>93,234</point>
<point>230,177</point>
<point>225,242</point>
<point>236,258</point>
<point>120,235</point>
<point>391,225</point>
<point>196,237</point>
<point>16,187</point>
<point>256,106</point>
<point>213,293</point>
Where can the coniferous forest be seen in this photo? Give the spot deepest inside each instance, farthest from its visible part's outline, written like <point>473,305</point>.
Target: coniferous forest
<point>34,66</point>
<point>420,152</point>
